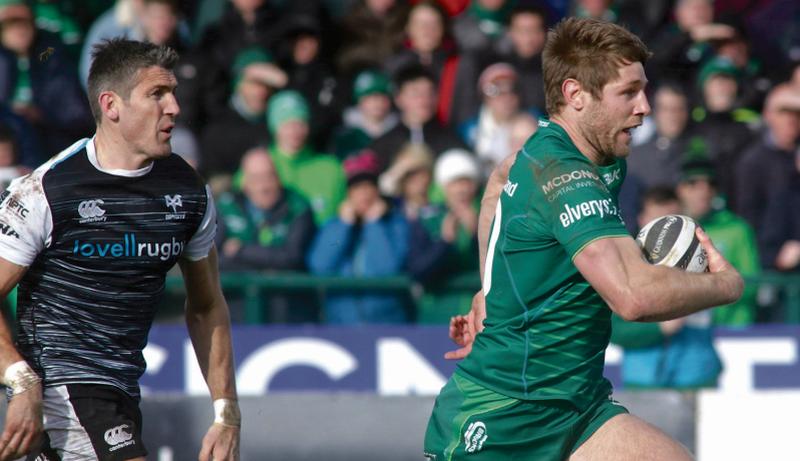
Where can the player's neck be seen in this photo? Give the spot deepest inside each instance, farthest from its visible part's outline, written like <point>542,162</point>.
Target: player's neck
<point>576,136</point>
<point>113,153</point>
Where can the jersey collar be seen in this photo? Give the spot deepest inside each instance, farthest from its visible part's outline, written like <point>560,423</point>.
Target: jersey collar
<point>92,154</point>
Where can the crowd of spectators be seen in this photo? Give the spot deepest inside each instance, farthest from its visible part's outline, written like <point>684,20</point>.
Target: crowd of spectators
<point>352,137</point>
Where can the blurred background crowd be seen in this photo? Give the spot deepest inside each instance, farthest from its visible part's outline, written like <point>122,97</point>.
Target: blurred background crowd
<point>352,138</point>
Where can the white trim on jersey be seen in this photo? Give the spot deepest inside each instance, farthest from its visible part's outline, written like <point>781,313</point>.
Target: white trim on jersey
<point>64,429</point>
<point>202,240</point>
<point>92,155</point>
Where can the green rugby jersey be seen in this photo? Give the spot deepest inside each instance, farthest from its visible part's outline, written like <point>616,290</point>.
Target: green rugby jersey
<point>547,329</point>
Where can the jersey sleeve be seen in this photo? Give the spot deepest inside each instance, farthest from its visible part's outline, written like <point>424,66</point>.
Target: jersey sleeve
<point>25,220</point>
<point>202,241</point>
<point>578,206</point>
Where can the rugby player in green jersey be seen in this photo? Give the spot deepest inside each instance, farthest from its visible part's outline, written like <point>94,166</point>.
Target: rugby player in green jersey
<point>556,260</point>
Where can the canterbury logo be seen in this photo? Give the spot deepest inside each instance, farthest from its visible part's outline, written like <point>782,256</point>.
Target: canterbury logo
<point>91,209</point>
<point>475,436</point>
<point>173,201</point>
<point>117,435</point>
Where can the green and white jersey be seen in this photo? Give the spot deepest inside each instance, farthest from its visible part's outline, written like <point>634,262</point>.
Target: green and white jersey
<point>547,329</point>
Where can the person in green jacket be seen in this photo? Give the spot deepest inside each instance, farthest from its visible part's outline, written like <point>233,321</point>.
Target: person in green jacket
<point>318,177</point>
<point>267,227</point>
<point>733,237</point>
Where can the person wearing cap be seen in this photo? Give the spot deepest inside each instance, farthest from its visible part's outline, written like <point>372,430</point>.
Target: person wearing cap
<point>318,177</point>
<point>767,166</point>
<point>267,227</point>
<point>239,126</point>
<point>489,133</point>
<point>370,118</point>
<point>38,80</point>
<point>452,227</point>
<point>733,237</point>
<point>481,25</point>
<point>408,180</point>
<point>726,128</point>
<point>368,238</point>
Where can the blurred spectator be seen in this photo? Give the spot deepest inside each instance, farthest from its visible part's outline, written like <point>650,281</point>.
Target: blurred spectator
<point>240,125</point>
<point>368,238</point>
<point>311,75</point>
<point>754,82</point>
<point>246,23</point>
<point>159,23</point>
<point>523,126</point>
<point>408,179</point>
<point>680,47</point>
<point>372,31</point>
<point>725,128</point>
<point>429,45</point>
<point>766,167</point>
<point>522,48</point>
<point>57,17</point>
<point>595,9</point>
<point>120,21</point>
<point>370,118</point>
<point>780,240</point>
<point>10,167</point>
<point>658,161</point>
<point>415,97</point>
<point>676,353</point>
<point>318,177</point>
<point>489,133</point>
<point>483,23</point>
<point>447,246</point>
<point>732,236</point>
<point>28,151</point>
<point>267,227</point>
<point>39,82</point>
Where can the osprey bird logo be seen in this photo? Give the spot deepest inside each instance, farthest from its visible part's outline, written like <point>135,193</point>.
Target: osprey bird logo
<point>173,201</point>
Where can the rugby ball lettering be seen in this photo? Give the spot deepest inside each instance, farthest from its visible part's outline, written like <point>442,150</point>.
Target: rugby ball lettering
<point>671,241</point>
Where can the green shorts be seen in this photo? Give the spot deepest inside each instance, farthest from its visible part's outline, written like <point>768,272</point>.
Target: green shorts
<point>470,422</point>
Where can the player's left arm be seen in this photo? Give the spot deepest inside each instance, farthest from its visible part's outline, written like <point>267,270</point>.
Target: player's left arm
<point>209,327</point>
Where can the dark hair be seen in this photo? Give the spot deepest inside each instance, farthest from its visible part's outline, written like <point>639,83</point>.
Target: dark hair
<point>659,195</point>
<point>410,73</point>
<point>587,50</point>
<point>528,9</point>
<point>116,64</point>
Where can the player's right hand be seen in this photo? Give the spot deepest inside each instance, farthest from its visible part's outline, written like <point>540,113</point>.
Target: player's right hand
<point>23,427</point>
<point>717,264</point>
<point>221,443</point>
<point>464,328</point>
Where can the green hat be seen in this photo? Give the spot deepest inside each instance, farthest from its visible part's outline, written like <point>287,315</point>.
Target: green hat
<point>696,162</point>
<point>718,66</point>
<point>244,58</point>
<point>285,106</point>
<point>370,82</point>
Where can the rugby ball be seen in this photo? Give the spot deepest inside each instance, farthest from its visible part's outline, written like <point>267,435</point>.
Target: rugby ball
<point>671,241</point>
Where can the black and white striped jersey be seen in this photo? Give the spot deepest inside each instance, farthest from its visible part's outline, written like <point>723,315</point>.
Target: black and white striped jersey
<point>98,244</point>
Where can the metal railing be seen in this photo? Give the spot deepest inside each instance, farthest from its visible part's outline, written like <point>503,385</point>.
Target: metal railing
<point>254,285</point>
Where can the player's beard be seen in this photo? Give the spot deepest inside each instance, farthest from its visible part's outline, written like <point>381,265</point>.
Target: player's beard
<point>599,132</point>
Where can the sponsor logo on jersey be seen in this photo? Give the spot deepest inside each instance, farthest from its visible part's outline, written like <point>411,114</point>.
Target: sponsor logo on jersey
<point>90,211</point>
<point>474,437</point>
<point>11,202</point>
<point>128,247</point>
<point>566,178</point>
<point>612,177</point>
<point>510,188</point>
<point>429,456</point>
<point>119,437</point>
<point>174,202</point>
<point>582,210</point>
<point>6,229</point>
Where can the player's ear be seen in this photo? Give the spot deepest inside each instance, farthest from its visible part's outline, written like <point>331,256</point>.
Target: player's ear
<point>109,105</point>
<point>573,93</point>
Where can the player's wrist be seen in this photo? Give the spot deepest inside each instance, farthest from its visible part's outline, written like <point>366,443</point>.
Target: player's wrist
<point>226,413</point>
<point>20,377</point>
